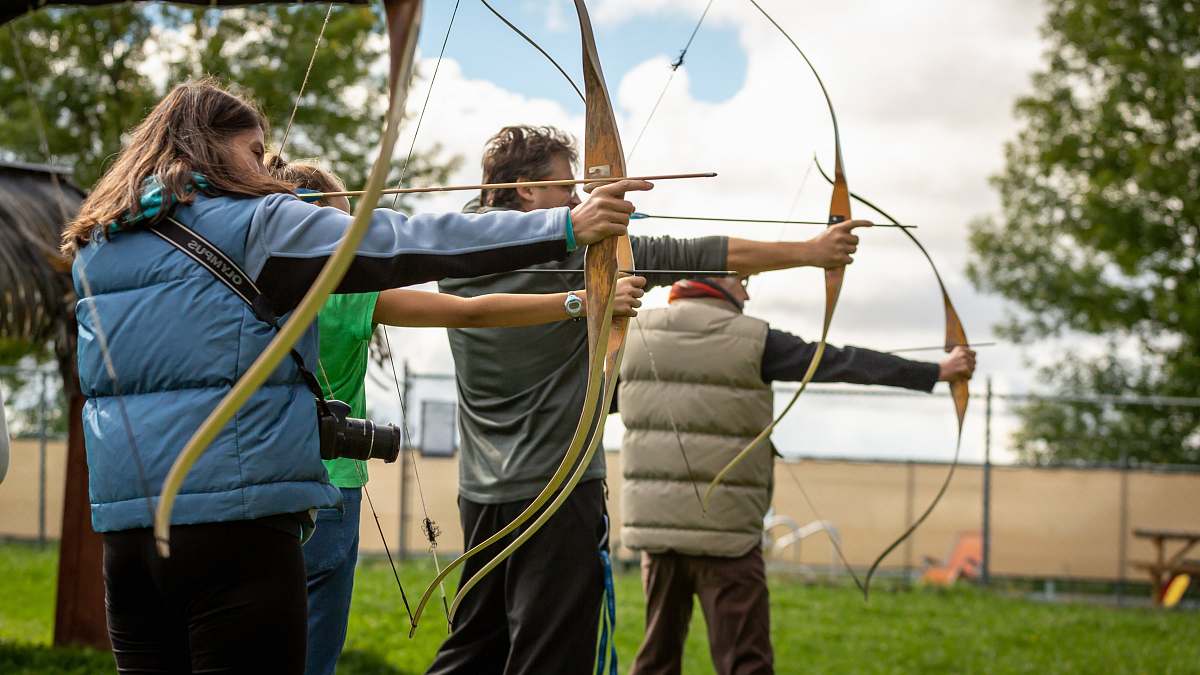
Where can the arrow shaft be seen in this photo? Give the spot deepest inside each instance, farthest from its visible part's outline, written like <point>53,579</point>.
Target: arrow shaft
<point>682,273</point>
<point>504,186</point>
<point>930,348</point>
<point>768,221</point>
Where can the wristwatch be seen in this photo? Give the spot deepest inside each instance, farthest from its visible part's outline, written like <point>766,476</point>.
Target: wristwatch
<point>574,306</point>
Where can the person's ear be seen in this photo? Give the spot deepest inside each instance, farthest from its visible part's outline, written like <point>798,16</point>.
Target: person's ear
<point>525,194</point>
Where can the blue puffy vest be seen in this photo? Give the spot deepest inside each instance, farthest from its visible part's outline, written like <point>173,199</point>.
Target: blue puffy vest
<point>179,341</point>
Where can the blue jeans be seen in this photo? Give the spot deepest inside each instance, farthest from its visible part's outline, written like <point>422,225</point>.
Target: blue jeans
<point>329,560</point>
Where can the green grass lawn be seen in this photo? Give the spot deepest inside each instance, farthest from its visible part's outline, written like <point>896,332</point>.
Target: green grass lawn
<point>817,629</point>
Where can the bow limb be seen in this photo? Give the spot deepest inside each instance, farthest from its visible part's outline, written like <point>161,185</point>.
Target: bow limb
<point>839,211</point>
<point>403,18</point>
<point>959,389</point>
<point>603,158</point>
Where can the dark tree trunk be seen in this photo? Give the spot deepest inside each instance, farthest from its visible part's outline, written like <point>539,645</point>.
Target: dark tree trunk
<point>79,617</point>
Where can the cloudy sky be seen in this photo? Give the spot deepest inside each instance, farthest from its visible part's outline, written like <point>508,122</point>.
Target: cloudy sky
<point>924,92</point>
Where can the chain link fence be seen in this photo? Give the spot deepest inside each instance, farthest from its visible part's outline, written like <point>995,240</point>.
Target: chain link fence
<point>870,459</point>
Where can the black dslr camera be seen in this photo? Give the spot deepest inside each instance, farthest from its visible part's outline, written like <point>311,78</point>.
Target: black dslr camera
<point>345,436</point>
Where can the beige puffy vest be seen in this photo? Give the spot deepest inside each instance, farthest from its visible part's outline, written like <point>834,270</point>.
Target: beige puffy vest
<point>709,362</point>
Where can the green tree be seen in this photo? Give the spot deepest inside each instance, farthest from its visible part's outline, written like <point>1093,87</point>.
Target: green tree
<point>95,72</point>
<point>91,74</point>
<point>1100,232</point>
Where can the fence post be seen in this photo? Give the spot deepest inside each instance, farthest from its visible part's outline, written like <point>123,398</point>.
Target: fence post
<point>1123,527</point>
<point>406,441</point>
<point>985,576</point>
<point>910,497</point>
<point>43,431</point>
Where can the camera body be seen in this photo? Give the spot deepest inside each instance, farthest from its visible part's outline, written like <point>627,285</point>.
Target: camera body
<point>345,436</point>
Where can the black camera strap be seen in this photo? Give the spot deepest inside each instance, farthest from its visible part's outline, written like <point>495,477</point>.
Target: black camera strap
<point>213,259</point>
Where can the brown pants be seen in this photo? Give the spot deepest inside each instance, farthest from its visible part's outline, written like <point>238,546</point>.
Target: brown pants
<point>733,597</point>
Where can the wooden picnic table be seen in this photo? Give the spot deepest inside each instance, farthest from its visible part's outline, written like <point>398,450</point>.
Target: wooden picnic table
<point>1167,565</point>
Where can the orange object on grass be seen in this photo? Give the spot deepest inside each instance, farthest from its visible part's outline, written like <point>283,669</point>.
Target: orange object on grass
<point>964,560</point>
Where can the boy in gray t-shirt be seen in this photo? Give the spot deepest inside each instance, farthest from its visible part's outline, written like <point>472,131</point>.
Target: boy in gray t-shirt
<point>520,393</point>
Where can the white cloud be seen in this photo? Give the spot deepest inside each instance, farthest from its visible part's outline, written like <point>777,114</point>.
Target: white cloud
<point>924,93</point>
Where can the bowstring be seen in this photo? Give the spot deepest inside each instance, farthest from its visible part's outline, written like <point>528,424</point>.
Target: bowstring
<point>641,331</point>
<point>675,65</point>
<point>791,210</point>
<point>362,476</point>
<point>429,527</point>
<point>304,83</point>
<point>43,138</point>
<point>797,196</point>
<point>671,418</point>
<point>437,66</point>
<point>835,541</point>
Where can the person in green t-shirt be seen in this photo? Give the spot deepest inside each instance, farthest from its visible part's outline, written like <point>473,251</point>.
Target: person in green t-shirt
<point>346,325</point>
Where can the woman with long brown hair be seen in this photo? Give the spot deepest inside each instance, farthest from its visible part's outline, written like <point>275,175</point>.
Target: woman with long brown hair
<point>162,340</point>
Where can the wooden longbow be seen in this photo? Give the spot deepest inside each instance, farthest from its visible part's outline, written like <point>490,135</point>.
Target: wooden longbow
<point>960,393</point>
<point>603,159</point>
<point>839,212</point>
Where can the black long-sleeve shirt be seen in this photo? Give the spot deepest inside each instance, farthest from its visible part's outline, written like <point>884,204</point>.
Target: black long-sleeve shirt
<point>786,358</point>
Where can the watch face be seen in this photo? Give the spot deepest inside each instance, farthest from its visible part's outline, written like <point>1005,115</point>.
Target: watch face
<point>574,304</point>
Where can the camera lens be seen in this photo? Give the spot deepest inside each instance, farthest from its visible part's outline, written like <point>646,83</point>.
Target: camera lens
<point>345,436</point>
<point>363,439</point>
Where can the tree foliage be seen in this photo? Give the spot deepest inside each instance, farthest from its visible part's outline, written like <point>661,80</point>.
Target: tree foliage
<point>95,72</point>
<point>88,75</point>
<point>1100,232</point>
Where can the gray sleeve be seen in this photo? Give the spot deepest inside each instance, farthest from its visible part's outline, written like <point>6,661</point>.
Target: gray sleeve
<point>669,253</point>
<point>289,242</point>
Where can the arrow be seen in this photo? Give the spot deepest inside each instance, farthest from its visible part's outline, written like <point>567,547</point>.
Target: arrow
<point>930,348</point>
<point>682,273</point>
<point>507,186</point>
<point>639,215</point>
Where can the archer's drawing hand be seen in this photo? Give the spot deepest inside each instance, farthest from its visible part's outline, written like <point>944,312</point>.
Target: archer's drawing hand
<point>606,213</point>
<point>959,365</point>
<point>628,296</point>
<point>835,246</point>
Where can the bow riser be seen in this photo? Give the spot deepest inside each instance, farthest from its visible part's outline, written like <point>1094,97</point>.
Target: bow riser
<point>603,157</point>
<point>956,335</point>
<point>839,212</point>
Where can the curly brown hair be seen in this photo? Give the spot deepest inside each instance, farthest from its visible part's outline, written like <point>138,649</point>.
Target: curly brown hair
<point>184,134</point>
<point>520,153</point>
